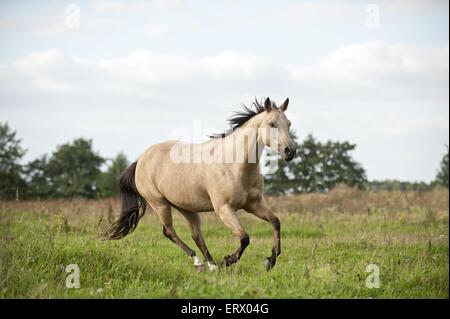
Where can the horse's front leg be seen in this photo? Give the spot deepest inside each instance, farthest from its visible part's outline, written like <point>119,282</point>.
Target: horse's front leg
<point>260,209</point>
<point>229,218</point>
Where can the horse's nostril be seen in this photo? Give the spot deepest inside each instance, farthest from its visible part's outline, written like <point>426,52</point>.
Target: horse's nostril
<point>287,150</point>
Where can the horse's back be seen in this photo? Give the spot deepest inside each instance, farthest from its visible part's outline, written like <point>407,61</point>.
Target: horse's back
<point>158,175</point>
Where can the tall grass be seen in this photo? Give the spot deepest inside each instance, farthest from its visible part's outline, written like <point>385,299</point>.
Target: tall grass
<point>327,242</point>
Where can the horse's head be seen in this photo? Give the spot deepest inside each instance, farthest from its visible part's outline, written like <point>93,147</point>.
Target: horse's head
<point>277,125</point>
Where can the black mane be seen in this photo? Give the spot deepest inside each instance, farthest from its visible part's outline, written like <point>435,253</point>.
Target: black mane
<point>240,117</point>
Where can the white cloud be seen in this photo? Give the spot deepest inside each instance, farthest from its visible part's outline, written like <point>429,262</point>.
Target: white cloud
<point>151,67</point>
<point>413,6</point>
<point>350,72</point>
<point>143,66</point>
<point>134,6</point>
<point>39,63</point>
<point>234,64</point>
<point>66,24</point>
<point>41,69</point>
<point>57,28</point>
<point>157,29</point>
<point>378,67</point>
<point>324,14</point>
<point>118,6</point>
<point>370,60</point>
<point>140,73</point>
<point>390,99</point>
<point>315,13</point>
<point>373,94</point>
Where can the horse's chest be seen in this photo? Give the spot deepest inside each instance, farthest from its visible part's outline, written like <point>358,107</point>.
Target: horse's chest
<point>239,194</point>
<point>233,186</point>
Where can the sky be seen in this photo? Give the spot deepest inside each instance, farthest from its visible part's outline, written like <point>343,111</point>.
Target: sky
<point>129,74</point>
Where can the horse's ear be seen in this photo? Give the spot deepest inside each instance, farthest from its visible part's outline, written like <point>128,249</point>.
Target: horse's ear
<point>284,106</point>
<point>268,105</point>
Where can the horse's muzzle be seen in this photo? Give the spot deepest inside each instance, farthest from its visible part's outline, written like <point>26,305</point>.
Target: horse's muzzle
<point>290,154</point>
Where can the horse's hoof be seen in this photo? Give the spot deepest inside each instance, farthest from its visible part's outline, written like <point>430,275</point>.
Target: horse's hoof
<point>212,267</point>
<point>268,263</point>
<point>201,268</point>
<point>227,261</point>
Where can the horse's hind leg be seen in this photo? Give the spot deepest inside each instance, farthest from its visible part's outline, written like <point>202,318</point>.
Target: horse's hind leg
<point>229,218</point>
<point>194,224</point>
<point>260,209</point>
<point>164,213</point>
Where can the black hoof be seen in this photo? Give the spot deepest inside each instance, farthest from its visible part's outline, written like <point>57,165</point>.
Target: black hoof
<point>270,262</point>
<point>227,261</point>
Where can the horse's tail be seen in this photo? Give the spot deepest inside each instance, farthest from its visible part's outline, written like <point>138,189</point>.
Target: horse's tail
<point>133,206</point>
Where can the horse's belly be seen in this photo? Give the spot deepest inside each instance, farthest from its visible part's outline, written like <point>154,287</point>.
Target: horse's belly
<point>185,190</point>
<point>190,201</point>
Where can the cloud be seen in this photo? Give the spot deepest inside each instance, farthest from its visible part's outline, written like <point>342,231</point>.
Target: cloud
<point>41,70</point>
<point>372,70</point>
<point>374,67</point>
<point>377,95</point>
<point>152,67</point>
<point>372,60</point>
<point>142,74</point>
<point>137,69</point>
<point>316,13</point>
<point>49,70</point>
<point>71,23</point>
<point>144,66</point>
<point>413,6</point>
<point>134,6</point>
<point>234,64</point>
<point>118,6</point>
<point>157,29</point>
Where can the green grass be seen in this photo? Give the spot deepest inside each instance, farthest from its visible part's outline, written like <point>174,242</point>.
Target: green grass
<point>411,251</point>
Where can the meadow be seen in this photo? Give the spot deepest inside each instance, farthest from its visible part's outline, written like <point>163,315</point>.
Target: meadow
<point>328,240</point>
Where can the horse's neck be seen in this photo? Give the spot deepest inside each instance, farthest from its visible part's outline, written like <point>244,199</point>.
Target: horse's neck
<point>246,141</point>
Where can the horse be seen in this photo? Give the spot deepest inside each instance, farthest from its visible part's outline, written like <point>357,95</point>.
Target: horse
<point>221,175</point>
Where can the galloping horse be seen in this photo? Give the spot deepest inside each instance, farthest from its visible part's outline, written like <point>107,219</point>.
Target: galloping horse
<point>220,175</point>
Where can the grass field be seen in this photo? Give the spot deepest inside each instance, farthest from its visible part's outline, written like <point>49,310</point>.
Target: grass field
<point>327,243</point>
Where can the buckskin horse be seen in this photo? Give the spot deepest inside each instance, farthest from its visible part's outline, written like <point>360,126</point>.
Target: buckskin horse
<point>221,175</point>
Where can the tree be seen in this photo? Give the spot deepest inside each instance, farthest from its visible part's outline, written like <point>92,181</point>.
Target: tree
<point>282,180</point>
<point>11,154</point>
<point>317,167</point>
<point>37,178</point>
<point>442,175</point>
<point>73,169</point>
<point>108,182</point>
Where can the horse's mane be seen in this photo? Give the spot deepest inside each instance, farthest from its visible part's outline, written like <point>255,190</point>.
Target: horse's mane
<point>242,116</point>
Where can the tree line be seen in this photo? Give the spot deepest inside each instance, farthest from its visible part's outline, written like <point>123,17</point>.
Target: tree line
<point>320,166</point>
<point>75,170</point>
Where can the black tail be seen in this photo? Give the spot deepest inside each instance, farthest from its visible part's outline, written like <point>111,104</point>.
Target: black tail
<point>133,206</point>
